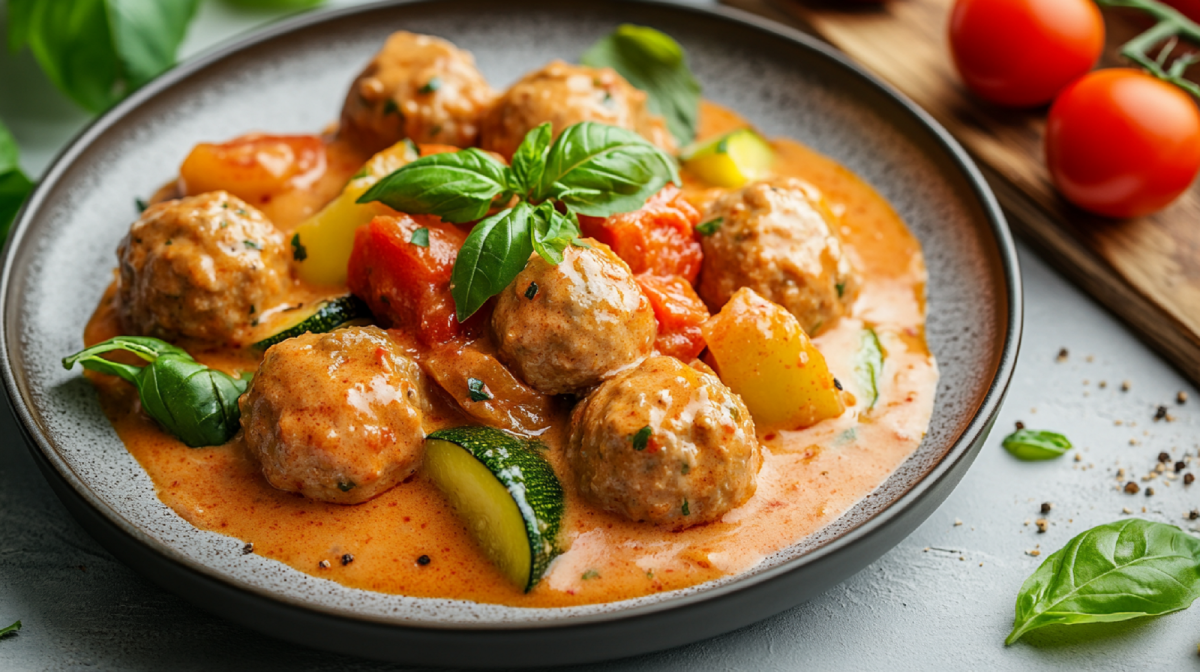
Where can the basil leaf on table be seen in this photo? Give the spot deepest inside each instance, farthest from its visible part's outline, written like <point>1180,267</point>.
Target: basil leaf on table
<point>14,185</point>
<point>196,404</point>
<point>600,170</point>
<point>529,161</point>
<point>97,51</point>
<point>655,63</point>
<point>1034,445</point>
<point>459,187</point>
<point>10,630</point>
<point>496,250</point>
<point>1114,572</point>
<point>552,232</point>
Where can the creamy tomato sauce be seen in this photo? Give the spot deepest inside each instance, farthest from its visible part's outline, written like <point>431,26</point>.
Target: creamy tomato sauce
<point>808,478</point>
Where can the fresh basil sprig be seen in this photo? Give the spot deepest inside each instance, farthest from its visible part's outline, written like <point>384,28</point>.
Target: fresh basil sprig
<point>591,169</point>
<point>1034,445</point>
<point>14,185</point>
<point>191,401</point>
<point>656,64</point>
<point>1114,572</point>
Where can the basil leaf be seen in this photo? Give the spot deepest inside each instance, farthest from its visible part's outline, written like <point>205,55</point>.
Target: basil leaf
<point>459,187</point>
<point>196,404</point>
<point>1034,445</point>
<point>869,365</point>
<point>14,185</point>
<point>601,170</point>
<point>552,232</point>
<point>97,51</point>
<point>1114,572</point>
<point>529,161</point>
<point>655,63</point>
<point>496,250</point>
<point>10,630</point>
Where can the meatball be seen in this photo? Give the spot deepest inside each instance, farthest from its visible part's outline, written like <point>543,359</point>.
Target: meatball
<point>565,94</point>
<point>664,443</point>
<point>565,328</point>
<point>337,416</point>
<point>417,87</point>
<point>200,268</point>
<point>779,239</point>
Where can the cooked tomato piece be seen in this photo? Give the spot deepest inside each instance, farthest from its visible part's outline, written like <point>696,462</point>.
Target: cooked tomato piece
<point>407,285</point>
<point>655,239</point>
<point>429,149</point>
<point>254,167</point>
<point>680,313</point>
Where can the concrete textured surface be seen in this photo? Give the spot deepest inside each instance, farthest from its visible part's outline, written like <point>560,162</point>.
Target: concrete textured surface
<point>941,599</point>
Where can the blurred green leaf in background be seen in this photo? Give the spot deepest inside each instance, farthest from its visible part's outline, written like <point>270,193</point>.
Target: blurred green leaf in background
<point>14,185</point>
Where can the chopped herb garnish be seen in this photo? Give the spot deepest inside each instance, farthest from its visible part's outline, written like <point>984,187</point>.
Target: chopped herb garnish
<point>141,205</point>
<point>252,309</point>
<point>737,415</point>
<point>11,630</point>
<point>224,223</point>
<point>685,469</point>
<point>531,291</point>
<point>390,107</point>
<point>710,227</point>
<point>252,244</point>
<point>685,509</point>
<point>346,486</point>
<point>590,574</point>
<point>431,86</point>
<point>477,390</point>
<point>841,289</point>
<point>241,211</point>
<point>436,130</point>
<point>641,438</point>
<point>169,242</point>
<point>299,252</point>
<point>224,206</point>
<point>420,237</point>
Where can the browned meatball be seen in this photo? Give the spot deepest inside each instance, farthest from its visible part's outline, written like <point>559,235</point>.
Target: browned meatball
<point>565,328</point>
<point>664,443</point>
<point>337,416</point>
<point>565,94</point>
<point>777,238</point>
<point>418,87</point>
<point>200,268</point>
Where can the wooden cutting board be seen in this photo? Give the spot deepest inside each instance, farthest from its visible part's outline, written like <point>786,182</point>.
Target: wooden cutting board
<point>1146,271</point>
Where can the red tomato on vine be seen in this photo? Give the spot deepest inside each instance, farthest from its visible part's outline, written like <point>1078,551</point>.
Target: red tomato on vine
<point>1122,143</point>
<point>1020,53</point>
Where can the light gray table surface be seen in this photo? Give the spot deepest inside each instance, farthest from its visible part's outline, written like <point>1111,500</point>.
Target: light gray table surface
<point>942,599</point>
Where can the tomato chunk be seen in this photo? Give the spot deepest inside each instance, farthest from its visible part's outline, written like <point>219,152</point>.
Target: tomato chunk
<point>655,239</point>
<point>254,167</point>
<point>406,285</point>
<point>680,313</point>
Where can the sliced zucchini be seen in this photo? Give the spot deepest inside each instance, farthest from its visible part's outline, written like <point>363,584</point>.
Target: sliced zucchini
<point>731,160</point>
<point>505,491</point>
<point>320,317</point>
<point>868,366</point>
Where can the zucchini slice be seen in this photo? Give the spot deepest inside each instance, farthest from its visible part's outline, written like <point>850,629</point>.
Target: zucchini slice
<point>318,318</point>
<point>505,491</point>
<point>731,160</point>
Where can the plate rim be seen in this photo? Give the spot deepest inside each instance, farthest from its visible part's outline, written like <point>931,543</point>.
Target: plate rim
<point>962,448</point>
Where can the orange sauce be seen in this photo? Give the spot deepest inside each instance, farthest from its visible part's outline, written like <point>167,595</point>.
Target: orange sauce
<point>808,479</point>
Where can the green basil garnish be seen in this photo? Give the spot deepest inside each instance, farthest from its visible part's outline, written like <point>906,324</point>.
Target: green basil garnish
<point>1114,572</point>
<point>10,630</point>
<point>1032,445</point>
<point>600,170</point>
<point>495,251</point>
<point>529,161</point>
<point>553,232</point>
<point>710,227</point>
<point>869,365</point>
<point>420,237</point>
<point>656,64</point>
<point>459,187</point>
<point>299,252</point>
<point>641,438</point>
<point>196,404</point>
<point>477,390</point>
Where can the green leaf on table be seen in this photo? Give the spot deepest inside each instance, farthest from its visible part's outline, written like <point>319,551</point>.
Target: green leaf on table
<point>14,185</point>
<point>98,51</point>
<point>1114,572</point>
<point>655,63</point>
<point>600,170</point>
<point>1034,445</point>
<point>459,187</point>
<point>552,232</point>
<point>10,630</point>
<point>496,250</point>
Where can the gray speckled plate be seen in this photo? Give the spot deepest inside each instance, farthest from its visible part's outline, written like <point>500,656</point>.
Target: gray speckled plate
<point>291,78</point>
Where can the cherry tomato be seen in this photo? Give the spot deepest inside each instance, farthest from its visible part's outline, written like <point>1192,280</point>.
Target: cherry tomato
<point>1122,143</point>
<point>1019,53</point>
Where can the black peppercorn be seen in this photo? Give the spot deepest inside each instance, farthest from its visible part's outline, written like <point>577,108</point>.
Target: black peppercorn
<point>347,559</point>
<point>423,560</point>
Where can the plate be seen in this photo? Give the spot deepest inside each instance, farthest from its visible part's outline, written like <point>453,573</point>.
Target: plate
<point>291,78</point>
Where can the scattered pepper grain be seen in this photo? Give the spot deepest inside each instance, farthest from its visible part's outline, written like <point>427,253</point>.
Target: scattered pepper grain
<point>1042,524</point>
<point>347,559</point>
<point>1149,492</point>
<point>1188,478</point>
<point>1125,385</point>
<point>1046,506</point>
<point>324,564</point>
<point>1180,466</point>
<point>1160,413</point>
<point>1181,397</point>
<point>1062,355</point>
<point>1132,488</point>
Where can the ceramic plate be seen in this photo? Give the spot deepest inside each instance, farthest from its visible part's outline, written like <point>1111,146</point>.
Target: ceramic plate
<point>291,78</point>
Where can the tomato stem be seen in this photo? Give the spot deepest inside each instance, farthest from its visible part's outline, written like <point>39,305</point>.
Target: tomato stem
<point>1171,26</point>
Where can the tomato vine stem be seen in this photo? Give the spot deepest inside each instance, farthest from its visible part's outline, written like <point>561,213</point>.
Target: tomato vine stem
<point>1171,25</point>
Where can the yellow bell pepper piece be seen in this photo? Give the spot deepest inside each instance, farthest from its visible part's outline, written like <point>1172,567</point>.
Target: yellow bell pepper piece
<point>731,160</point>
<point>327,238</point>
<point>760,351</point>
